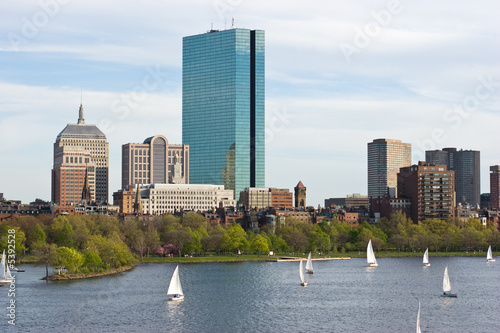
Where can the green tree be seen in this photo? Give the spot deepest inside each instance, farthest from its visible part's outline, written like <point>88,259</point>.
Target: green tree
<point>62,232</point>
<point>46,254</point>
<point>92,261</point>
<point>69,258</point>
<point>260,244</point>
<point>193,220</point>
<point>38,235</point>
<point>236,236</point>
<point>151,239</point>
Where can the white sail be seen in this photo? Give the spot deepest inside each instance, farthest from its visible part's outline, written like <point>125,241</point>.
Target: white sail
<point>301,271</point>
<point>489,256</point>
<point>175,287</point>
<point>309,264</point>
<point>426,257</point>
<point>2,266</point>
<point>8,276</point>
<point>418,319</point>
<point>370,255</point>
<point>446,281</point>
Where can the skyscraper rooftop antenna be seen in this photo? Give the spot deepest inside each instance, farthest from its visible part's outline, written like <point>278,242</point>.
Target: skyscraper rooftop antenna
<point>81,119</point>
<point>232,23</point>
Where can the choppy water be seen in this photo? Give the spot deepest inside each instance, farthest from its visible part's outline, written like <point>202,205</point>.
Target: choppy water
<point>342,296</point>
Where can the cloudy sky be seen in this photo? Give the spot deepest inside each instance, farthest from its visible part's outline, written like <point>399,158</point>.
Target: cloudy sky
<point>338,75</point>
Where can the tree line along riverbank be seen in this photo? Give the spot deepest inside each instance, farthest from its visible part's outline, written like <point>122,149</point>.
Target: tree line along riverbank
<point>86,246</point>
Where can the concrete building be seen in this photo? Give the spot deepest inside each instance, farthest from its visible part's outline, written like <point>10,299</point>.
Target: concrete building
<point>431,189</point>
<point>155,161</point>
<point>300,195</point>
<point>495,187</point>
<point>81,150</point>
<point>265,197</point>
<point>385,158</point>
<point>223,111</point>
<point>158,199</point>
<point>466,164</point>
<point>255,198</point>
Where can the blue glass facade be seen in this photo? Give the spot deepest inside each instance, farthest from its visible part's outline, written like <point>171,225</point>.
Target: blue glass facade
<point>223,107</point>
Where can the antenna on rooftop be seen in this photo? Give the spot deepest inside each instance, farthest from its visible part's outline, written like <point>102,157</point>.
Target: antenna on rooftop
<point>232,22</point>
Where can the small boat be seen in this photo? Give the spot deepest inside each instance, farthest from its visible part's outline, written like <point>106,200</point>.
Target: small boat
<point>5,275</point>
<point>309,265</point>
<point>489,256</point>
<point>17,270</point>
<point>418,319</point>
<point>447,285</point>
<point>303,282</point>
<point>426,258</point>
<point>370,255</point>
<point>175,287</point>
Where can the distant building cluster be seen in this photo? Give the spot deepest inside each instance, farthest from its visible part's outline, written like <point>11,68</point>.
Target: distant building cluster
<point>219,168</point>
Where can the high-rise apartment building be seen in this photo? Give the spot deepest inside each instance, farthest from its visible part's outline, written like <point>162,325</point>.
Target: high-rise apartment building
<point>495,187</point>
<point>431,189</point>
<point>223,107</point>
<point>155,161</point>
<point>466,164</point>
<point>81,151</point>
<point>385,158</point>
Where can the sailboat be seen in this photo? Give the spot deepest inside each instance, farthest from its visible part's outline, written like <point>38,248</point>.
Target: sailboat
<point>175,287</point>
<point>301,272</point>
<point>489,256</point>
<point>309,265</point>
<point>370,255</point>
<point>447,285</point>
<point>5,276</point>
<point>426,258</point>
<point>418,319</point>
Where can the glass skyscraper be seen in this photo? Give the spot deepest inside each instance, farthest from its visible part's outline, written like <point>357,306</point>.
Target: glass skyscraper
<point>223,107</point>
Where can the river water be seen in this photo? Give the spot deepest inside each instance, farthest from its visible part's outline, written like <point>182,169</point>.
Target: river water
<point>342,296</point>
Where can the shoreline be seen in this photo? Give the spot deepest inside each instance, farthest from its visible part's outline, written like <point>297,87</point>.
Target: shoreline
<point>78,276</point>
<point>285,258</point>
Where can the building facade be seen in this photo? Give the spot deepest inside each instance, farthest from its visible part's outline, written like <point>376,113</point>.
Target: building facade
<point>300,195</point>
<point>158,199</point>
<point>266,197</point>
<point>385,158</point>
<point>155,161</point>
<point>431,190</point>
<point>223,107</point>
<point>495,187</point>
<point>81,151</point>
<point>466,164</point>
<point>124,199</point>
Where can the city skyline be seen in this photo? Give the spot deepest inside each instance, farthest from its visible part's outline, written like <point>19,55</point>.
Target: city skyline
<point>417,76</point>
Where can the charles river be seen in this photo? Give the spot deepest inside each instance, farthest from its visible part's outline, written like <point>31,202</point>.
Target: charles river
<point>342,296</point>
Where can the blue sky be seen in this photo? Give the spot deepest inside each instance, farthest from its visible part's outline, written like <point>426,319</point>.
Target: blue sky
<point>338,75</point>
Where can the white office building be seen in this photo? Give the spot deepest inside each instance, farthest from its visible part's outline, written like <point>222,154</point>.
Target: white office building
<point>158,199</point>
